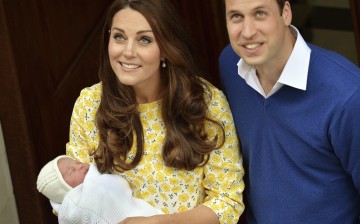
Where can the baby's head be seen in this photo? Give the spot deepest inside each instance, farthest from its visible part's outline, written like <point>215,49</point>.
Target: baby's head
<point>59,176</point>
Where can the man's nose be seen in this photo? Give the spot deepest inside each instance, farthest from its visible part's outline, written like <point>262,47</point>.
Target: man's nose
<point>249,28</point>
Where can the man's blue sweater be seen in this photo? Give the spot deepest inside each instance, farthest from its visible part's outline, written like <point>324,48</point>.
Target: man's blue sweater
<point>301,149</point>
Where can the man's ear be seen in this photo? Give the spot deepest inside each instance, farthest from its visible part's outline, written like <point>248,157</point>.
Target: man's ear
<point>287,13</point>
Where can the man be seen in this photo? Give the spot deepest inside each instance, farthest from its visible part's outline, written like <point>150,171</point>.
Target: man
<point>297,112</point>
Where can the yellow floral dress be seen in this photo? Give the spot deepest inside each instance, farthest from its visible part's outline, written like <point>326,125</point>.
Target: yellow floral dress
<point>217,185</point>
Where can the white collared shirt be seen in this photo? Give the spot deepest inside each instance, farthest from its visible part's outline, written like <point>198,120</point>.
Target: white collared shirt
<point>294,74</point>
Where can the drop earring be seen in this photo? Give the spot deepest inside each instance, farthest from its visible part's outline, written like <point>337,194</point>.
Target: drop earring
<point>163,63</point>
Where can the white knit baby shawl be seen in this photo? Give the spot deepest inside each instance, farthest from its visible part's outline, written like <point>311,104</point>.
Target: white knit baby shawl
<point>101,199</point>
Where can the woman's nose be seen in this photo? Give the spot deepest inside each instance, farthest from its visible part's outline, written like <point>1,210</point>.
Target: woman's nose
<point>130,49</point>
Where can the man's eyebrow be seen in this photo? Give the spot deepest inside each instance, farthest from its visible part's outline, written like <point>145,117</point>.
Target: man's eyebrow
<point>232,11</point>
<point>235,11</point>
<point>260,7</point>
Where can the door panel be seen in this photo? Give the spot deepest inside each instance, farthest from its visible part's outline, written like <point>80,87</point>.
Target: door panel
<point>50,53</point>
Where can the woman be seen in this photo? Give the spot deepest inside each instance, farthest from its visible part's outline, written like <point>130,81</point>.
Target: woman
<point>155,122</point>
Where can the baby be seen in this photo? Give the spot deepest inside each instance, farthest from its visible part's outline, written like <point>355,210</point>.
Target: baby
<point>59,176</point>
<point>80,194</point>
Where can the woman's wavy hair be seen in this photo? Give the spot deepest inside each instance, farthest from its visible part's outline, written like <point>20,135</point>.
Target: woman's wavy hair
<point>184,101</point>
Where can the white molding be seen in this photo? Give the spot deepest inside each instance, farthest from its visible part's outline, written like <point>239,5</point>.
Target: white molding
<point>8,211</point>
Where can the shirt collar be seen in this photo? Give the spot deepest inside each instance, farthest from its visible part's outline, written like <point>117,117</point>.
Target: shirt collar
<point>295,72</point>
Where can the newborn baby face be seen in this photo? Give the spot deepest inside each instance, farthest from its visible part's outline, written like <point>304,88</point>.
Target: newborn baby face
<point>73,171</point>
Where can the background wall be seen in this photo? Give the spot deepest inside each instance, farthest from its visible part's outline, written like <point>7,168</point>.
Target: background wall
<point>327,23</point>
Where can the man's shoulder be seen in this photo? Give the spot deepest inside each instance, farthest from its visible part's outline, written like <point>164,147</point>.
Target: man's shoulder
<point>228,55</point>
<point>318,52</point>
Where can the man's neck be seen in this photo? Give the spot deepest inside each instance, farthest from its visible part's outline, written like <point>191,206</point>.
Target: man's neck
<point>269,74</point>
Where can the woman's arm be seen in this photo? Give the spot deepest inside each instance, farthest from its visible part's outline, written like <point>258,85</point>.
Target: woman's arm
<point>198,215</point>
<point>83,132</point>
<point>224,172</point>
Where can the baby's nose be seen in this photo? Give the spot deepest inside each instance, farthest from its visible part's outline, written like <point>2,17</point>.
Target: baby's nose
<point>80,166</point>
<point>84,166</point>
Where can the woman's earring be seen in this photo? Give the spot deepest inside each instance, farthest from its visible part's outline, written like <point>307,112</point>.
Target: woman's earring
<point>163,63</point>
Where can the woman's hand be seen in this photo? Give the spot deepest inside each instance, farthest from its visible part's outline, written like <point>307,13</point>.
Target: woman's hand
<point>157,219</point>
<point>198,215</point>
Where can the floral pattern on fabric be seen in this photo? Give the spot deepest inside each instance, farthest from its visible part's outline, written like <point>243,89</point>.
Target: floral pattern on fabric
<point>217,185</point>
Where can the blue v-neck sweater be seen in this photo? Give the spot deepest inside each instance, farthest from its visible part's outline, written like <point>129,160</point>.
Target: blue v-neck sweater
<point>301,149</point>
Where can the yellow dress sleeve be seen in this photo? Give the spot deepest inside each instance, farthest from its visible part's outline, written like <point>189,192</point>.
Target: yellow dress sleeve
<point>84,137</point>
<point>224,172</point>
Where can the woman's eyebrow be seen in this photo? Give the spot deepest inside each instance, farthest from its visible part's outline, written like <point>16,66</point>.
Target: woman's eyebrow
<point>139,32</point>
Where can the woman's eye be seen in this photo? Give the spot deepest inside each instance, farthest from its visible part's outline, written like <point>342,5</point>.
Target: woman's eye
<point>118,37</point>
<point>145,40</point>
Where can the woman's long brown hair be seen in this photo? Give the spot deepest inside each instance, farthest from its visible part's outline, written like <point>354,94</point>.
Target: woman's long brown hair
<point>184,99</point>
